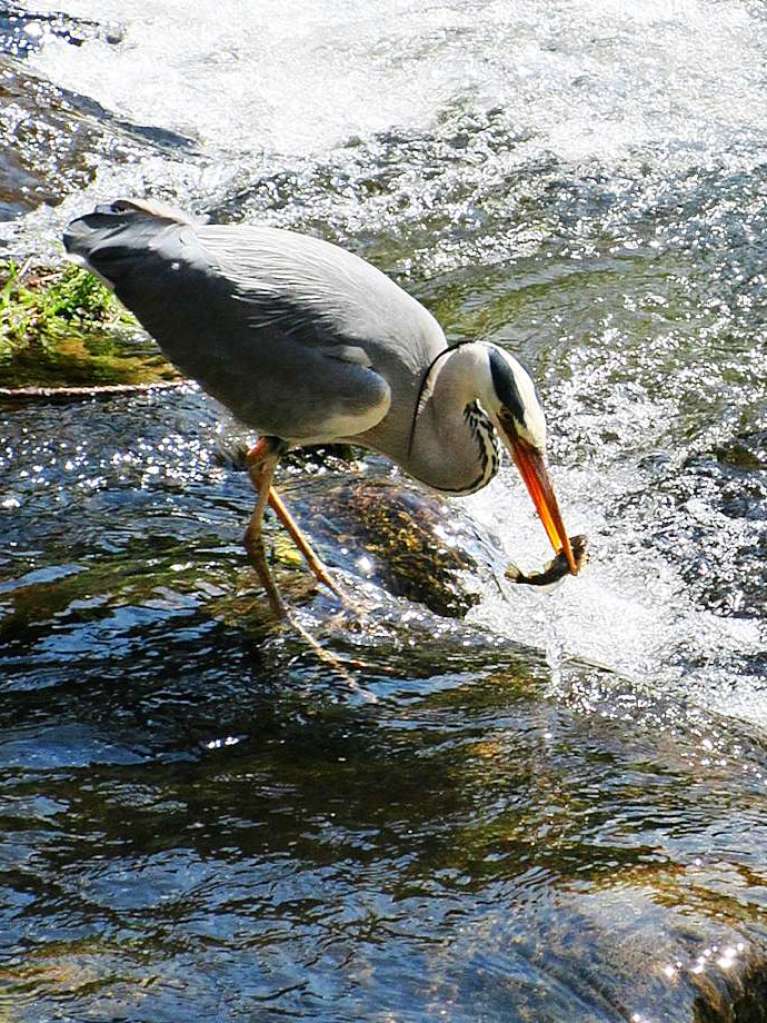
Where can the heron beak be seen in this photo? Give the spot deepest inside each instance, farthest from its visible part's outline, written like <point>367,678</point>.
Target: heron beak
<point>532,468</point>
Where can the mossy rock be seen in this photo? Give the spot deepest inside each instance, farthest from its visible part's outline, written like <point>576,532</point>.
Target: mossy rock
<point>414,544</point>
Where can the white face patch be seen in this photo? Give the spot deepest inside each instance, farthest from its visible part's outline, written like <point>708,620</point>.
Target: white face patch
<point>533,430</point>
<point>511,398</point>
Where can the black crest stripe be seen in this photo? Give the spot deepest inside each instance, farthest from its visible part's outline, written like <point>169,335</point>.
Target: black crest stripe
<point>506,386</point>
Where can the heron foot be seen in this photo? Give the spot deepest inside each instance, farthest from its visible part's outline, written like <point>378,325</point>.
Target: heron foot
<point>342,669</point>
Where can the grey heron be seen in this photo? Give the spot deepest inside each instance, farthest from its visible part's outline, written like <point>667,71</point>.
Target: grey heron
<point>309,344</point>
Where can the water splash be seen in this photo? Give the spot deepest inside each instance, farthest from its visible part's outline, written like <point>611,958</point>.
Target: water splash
<point>455,124</point>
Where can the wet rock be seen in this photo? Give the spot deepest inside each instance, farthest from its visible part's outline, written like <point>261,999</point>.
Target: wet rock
<point>414,544</point>
<point>82,366</point>
<point>62,334</point>
<point>721,542</point>
<point>60,139</point>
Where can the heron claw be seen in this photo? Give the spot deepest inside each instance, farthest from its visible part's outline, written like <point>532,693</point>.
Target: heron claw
<point>347,618</point>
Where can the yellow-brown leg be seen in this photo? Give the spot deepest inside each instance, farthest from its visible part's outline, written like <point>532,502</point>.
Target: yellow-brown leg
<point>262,460</point>
<point>318,569</point>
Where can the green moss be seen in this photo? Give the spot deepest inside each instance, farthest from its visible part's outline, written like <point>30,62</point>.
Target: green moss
<point>62,327</point>
<point>39,305</point>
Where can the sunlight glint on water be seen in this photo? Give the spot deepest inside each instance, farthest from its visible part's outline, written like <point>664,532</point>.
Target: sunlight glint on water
<point>196,817</point>
<point>633,105</point>
<point>284,87</point>
<point>630,611</point>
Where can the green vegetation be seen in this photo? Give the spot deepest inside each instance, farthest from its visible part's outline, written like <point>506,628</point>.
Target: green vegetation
<point>62,327</point>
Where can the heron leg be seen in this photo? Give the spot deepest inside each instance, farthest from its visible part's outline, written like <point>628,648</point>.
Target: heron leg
<point>316,566</point>
<point>262,460</point>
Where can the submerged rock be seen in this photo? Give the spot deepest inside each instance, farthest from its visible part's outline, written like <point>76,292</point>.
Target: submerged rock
<point>414,544</point>
<point>60,140</point>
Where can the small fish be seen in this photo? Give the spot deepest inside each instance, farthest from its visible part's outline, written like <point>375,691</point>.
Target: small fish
<point>556,569</point>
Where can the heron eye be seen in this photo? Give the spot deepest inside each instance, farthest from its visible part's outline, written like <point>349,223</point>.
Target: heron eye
<point>509,421</point>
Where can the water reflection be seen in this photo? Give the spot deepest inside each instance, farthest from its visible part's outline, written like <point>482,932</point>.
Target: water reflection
<point>467,841</point>
<point>223,821</point>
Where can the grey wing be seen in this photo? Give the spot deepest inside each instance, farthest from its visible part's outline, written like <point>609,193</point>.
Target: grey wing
<point>297,337</point>
<point>316,301</point>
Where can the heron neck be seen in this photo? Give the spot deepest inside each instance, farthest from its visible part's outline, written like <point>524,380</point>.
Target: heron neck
<point>455,448</point>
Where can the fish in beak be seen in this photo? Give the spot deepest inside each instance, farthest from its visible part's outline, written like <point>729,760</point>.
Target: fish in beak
<point>531,463</point>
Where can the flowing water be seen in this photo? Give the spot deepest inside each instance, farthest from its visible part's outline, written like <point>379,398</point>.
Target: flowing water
<point>554,808</point>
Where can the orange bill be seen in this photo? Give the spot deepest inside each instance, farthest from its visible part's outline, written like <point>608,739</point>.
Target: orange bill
<point>532,468</point>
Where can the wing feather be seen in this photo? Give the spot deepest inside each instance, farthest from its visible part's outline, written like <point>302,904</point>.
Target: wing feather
<point>298,337</point>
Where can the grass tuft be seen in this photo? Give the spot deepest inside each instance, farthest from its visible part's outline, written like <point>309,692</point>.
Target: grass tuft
<point>63,327</point>
<point>39,306</point>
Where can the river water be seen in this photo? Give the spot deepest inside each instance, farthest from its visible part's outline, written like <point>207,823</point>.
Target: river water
<point>552,808</point>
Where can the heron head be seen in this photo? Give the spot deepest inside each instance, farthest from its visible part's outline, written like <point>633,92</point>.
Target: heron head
<point>516,413</point>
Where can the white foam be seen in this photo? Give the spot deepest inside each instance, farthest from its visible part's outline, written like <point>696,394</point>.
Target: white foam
<point>630,611</point>
<point>584,80</point>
